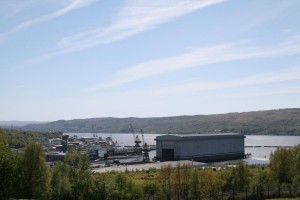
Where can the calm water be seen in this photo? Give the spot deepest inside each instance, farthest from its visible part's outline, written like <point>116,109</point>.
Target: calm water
<point>259,154</point>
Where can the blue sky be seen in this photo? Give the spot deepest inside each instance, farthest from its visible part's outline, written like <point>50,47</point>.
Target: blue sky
<point>67,59</point>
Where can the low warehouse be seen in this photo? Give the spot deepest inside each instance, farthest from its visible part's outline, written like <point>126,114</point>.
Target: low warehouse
<point>200,147</point>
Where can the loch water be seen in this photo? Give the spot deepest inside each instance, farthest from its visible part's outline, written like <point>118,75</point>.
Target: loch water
<point>259,146</point>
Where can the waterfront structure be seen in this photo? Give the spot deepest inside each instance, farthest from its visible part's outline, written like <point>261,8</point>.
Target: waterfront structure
<point>200,147</point>
<point>55,156</point>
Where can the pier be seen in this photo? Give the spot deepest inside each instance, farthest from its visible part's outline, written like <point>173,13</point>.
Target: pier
<point>267,146</point>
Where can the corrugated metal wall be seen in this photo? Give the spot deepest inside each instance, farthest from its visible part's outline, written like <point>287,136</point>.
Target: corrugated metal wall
<point>210,146</point>
<point>185,147</point>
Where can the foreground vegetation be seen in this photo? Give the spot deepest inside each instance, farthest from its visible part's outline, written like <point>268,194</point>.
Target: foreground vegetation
<point>19,139</point>
<point>25,175</point>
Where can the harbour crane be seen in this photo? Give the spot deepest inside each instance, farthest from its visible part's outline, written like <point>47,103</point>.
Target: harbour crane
<point>132,132</point>
<point>142,132</point>
<point>137,141</point>
<point>145,149</point>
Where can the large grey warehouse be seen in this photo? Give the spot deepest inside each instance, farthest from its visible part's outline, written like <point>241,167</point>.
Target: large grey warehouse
<point>200,147</point>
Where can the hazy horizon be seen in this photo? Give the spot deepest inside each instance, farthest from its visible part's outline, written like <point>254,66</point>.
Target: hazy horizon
<point>38,121</point>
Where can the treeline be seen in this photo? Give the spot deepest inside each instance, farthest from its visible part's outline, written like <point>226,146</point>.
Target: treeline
<point>19,139</point>
<point>26,175</point>
<point>271,122</point>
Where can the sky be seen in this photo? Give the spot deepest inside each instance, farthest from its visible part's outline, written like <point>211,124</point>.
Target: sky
<point>72,59</point>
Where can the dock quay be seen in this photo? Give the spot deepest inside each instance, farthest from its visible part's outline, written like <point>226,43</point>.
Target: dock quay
<point>146,166</point>
<point>267,146</point>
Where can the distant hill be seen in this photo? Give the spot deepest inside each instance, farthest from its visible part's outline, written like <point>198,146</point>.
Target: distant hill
<point>18,123</point>
<point>271,122</point>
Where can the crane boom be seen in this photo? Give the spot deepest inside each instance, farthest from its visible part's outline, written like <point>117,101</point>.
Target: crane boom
<point>132,132</point>
<point>142,132</point>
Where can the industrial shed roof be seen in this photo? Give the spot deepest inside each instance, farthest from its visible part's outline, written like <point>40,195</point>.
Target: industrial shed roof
<point>198,136</point>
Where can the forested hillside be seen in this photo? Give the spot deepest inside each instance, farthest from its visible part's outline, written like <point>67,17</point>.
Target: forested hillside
<point>19,139</point>
<point>276,122</point>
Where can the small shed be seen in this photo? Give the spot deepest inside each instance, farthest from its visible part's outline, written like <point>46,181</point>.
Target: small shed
<point>200,147</point>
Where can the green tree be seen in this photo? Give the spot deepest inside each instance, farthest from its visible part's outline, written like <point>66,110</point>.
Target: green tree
<point>122,188</point>
<point>227,179</point>
<point>182,180</point>
<point>80,174</point>
<point>283,167</point>
<point>296,180</point>
<point>213,183</point>
<point>296,152</point>
<point>151,189</point>
<point>34,172</point>
<point>235,178</point>
<point>118,187</point>
<point>8,172</point>
<point>260,183</point>
<point>60,185</point>
<point>241,176</point>
<point>100,186</point>
<point>195,192</point>
<point>2,137</point>
<point>165,180</point>
<point>19,139</point>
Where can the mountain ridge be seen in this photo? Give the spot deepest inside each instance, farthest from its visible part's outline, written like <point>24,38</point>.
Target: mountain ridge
<point>10,123</point>
<point>268,122</point>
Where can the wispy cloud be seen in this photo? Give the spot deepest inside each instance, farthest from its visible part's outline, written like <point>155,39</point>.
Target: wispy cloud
<point>134,17</point>
<point>273,91</point>
<point>202,56</point>
<point>290,74</point>
<point>74,5</point>
<point>274,10</point>
<point>13,7</point>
